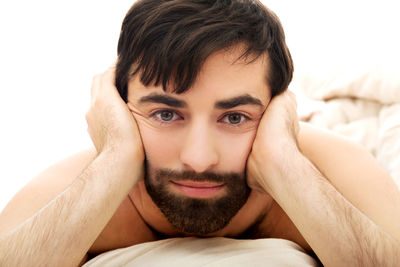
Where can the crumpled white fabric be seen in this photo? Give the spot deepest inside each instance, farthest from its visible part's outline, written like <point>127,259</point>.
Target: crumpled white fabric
<point>361,103</point>
<point>210,252</point>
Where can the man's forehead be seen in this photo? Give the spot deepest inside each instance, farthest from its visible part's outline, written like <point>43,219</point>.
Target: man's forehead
<point>141,94</point>
<point>224,75</point>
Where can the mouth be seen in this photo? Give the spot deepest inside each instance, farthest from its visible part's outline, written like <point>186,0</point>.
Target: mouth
<point>198,189</point>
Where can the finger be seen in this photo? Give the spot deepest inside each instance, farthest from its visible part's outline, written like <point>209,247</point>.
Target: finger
<point>95,86</point>
<point>114,64</point>
<point>89,130</point>
<point>106,88</point>
<point>109,76</point>
<point>290,93</point>
<point>135,110</point>
<point>288,98</point>
<point>278,100</point>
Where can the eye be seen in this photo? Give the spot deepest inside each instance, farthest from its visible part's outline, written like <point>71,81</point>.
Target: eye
<point>235,118</point>
<point>165,116</point>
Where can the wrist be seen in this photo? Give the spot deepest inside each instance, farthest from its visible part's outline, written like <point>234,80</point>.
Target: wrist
<point>276,169</point>
<point>126,160</point>
<point>124,151</point>
<point>293,177</point>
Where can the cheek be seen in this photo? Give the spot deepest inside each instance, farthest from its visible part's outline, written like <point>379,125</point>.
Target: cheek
<point>235,150</point>
<point>160,145</point>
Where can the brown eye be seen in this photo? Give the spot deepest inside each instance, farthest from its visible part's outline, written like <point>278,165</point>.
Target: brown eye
<point>166,115</point>
<point>234,118</point>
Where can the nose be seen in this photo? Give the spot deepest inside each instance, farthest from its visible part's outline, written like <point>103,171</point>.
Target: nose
<point>198,151</point>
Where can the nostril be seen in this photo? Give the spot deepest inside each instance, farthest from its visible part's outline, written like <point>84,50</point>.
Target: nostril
<point>199,159</point>
<point>198,152</point>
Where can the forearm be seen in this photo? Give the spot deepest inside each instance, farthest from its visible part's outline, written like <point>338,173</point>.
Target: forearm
<point>337,231</point>
<point>61,233</point>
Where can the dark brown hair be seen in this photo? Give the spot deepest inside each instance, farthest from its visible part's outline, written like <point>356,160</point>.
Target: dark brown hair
<point>167,41</point>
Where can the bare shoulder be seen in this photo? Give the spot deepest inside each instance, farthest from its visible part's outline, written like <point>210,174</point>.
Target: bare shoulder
<point>43,188</point>
<point>344,163</point>
<point>335,155</point>
<point>317,144</point>
<point>355,173</point>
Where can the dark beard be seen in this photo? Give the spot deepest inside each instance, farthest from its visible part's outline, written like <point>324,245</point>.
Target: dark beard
<point>192,215</point>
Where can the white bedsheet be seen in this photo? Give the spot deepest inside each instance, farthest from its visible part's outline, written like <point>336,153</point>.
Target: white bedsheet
<point>362,104</point>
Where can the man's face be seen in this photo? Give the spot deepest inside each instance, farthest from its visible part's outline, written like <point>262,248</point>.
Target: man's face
<point>197,143</point>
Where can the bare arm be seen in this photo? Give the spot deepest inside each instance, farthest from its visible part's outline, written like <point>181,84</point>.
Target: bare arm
<point>340,233</point>
<point>61,232</point>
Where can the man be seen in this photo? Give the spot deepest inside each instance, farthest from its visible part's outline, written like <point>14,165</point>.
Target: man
<point>207,143</point>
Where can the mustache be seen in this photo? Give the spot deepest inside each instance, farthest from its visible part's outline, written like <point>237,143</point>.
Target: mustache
<point>198,177</point>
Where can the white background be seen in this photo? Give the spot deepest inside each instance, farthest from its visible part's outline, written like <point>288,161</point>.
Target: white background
<point>49,51</point>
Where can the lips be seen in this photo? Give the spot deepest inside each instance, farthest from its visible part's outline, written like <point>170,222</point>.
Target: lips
<point>198,189</point>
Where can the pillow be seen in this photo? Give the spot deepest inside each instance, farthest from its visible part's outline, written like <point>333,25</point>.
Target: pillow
<point>211,252</point>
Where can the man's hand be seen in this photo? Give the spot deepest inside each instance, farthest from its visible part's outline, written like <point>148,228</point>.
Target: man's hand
<point>110,123</point>
<point>276,137</point>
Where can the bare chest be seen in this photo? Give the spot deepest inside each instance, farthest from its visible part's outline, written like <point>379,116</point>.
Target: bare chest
<point>128,227</point>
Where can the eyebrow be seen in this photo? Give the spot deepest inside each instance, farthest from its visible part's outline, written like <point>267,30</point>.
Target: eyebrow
<point>223,104</point>
<point>163,99</point>
<point>238,101</point>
